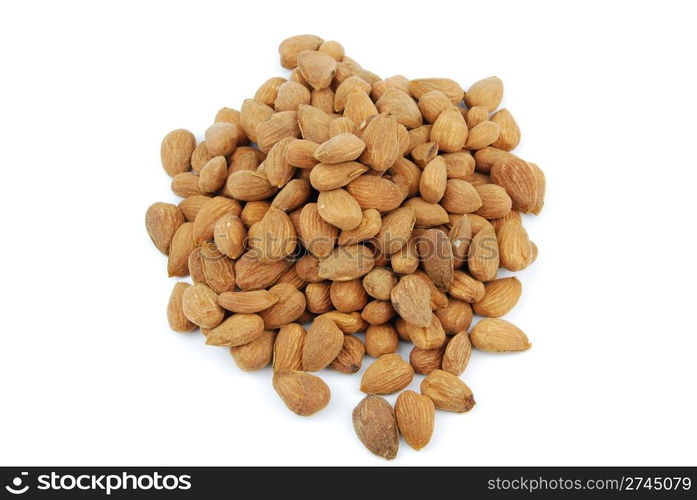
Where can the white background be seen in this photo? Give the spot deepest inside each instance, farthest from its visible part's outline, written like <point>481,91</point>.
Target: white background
<point>89,371</point>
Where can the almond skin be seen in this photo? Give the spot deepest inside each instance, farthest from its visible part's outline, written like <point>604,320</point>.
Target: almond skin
<point>411,299</point>
<point>498,335</point>
<point>176,150</point>
<point>161,221</point>
<point>303,393</point>
<point>247,302</point>
<point>200,306</point>
<point>376,426</point>
<point>238,329</point>
<point>323,343</point>
<point>350,358</point>
<point>175,309</point>
<point>288,348</point>
<point>387,375</point>
<point>500,296</point>
<point>447,392</point>
<point>415,415</point>
<point>457,354</point>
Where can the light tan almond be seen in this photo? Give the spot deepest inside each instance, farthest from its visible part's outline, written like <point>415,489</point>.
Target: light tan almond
<point>340,148</point>
<point>252,113</point>
<point>399,104</point>
<point>340,209</point>
<point>455,317</point>
<point>498,335</point>
<point>290,48</point>
<point>317,68</point>
<point>276,127</point>
<point>342,125</point>
<point>483,255</point>
<point>323,99</point>
<point>509,135</point>
<point>214,209</point>
<point>518,178</point>
<point>289,307</point>
<point>424,361</point>
<point>416,416</point>
<point>253,212</point>
<point>249,186</point>
<point>303,393</point>
<point>427,214</point>
<point>466,288</point>
<point>541,184</point>
<point>381,339</point>
<point>359,108</point>
<point>370,225</point>
<point>433,180</point>
<point>180,249</point>
<point>238,329</point>
<point>347,263</point>
<point>348,296</point>
<point>277,168</point>
<point>221,138</point>
<point>254,274</point>
<point>460,165</point>
<point>381,137</point>
<point>449,131</point>
<point>348,86</point>
<point>495,201</point>
<point>191,205</point>
<point>213,175</point>
<point>500,296</point>
<point>395,230</point>
<point>218,270</point>
<point>325,177</point>
<point>487,92</point>
<point>406,261</point>
<point>514,246</point>
<point>436,254</point>
<point>371,191</point>
<point>485,158</point>
<point>450,88</point>
<point>199,157</point>
<point>289,96</point>
<point>432,103</point>
<point>313,123</point>
<point>318,298</point>
<point>378,312</point>
<point>460,197</point>
<point>476,115</point>
<point>482,135</point>
<point>347,323</point>
<point>447,392</point>
<point>411,298</point>
<point>293,195</point>
<point>323,343</point>
<point>388,374</point>
<point>379,283</point>
<point>318,236</point>
<point>300,153</point>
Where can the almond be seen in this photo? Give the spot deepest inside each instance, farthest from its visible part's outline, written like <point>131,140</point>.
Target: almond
<point>300,153</point>
<point>350,358</point>
<point>325,177</point>
<point>455,317</point>
<point>322,344</point>
<point>466,288</point>
<point>376,426</point>
<point>350,84</point>
<point>495,201</point>
<point>487,92</point>
<point>247,302</point>
<point>460,236</point>
<point>214,209</point>
<point>218,270</point>
<point>460,165</point>
<point>191,205</point>
<point>460,197</point>
<point>457,354</point>
<point>268,90</point>
<point>436,254</point>
<point>323,99</point>
<point>221,138</point>
<point>428,337</point>
<point>317,68</point>
<point>313,123</point>
<point>359,109</point>
<point>288,308</point>
<point>340,209</point>
<point>483,255</point>
<point>370,225</point>
<point>476,115</point>
<point>498,335</point>
<point>273,237</point>
<point>347,263</point>
<point>519,180</point>
<point>249,186</point>
<point>450,88</point>
<point>411,299</point>
<point>500,296</point>
<point>415,414</point>
<point>252,113</point>
<point>162,221</point>
<point>291,48</point>
<point>388,374</point>
<point>276,127</point>
<point>289,96</point>
<point>175,309</point>
<point>200,306</point>
<point>253,212</point>
<point>449,130</point>
<point>348,296</point>
<point>340,148</point>
<point>254,274</point>
<point>541,183</point>
<point>180,249</point>
<point>341,125</point>
<point>317,235</point>
<point>347,323</point>
<point>199,158</point>
<point>176,150</point>
<point>371,191</point>
<point>379,283</point>
<point>256,354</point>
<point>486,157</point>
<point>277,168</point>
<point>293,195</point>
<point>447,392</point>
<point>378,312</point>
<point>432,103</point>
<point>424,361</point>
<point>427,214</point>
<point>433,180</point>
<point>213,175</point>
<point>381,339</point>
<point>395,230</point>
<point>482,135</point>
<point>509,133</point>
<point>381,142</point>
<point>303,393</point>
<point>288,348</point>
<point>317,297</point>
<point>238,329</point>
<point>514,246</point>
<point>399,104</point>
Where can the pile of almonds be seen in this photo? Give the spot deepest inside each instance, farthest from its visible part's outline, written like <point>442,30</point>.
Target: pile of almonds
<point>353,204</point>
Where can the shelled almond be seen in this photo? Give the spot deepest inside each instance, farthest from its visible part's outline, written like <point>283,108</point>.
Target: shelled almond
<point>375,212</point>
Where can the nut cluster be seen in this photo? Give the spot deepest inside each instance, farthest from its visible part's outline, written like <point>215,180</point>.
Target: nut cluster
<point>353,204</point>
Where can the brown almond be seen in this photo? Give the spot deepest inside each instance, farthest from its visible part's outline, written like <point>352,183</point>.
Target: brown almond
<point>457,354</point>
<point>218,270</point>
<point>340,148</point>
<point>300,153</point>
<point>359,108</point>
<point>376,426</point>
<point>191,205</point>
<point>341,125</point>
<point>290,48</point>
<point>381,142</point>
<point>313,123</point>
<point>436,254</point>
<point>395,230</point>
<point>428,337</point>
<point>293,195</point>
<point>175,309</point>
<point>318,236</point>
<point>416,416</point>
<point>347,263</point>
<point>289,96</point>
<point>180,249</point>
<point>379,283</point>
<point>427,214</point>
<point>323,343</point>
<point>256,354</point>
<point>518,178</point>
<point>317,68</point>
<point>346,88</point>
<point>424,361</point>
<point>514,246</point>
<point>323,99</point>
<point>247,302</point>
<point>290,305</point>
<point>348,296</point>
<point>303,393</point>
<point>254,274</point>
<point>339,208</point>
<point>541,184</point>
<point>347,323</point>
<point>500,296</point>
<point>213,175</point>
<point>433,180</point>
<point>483,255</point>
<point>288,348</point>
<point>432,103</point>
<point>455,317</point>
<point>378,312</point>
<point>450,88</point>
<point>200,306</point>
<point>350,358</point>
<point>447,392</point>
<point>482,135</point>
<point>381,339</point>
<point>162,221</point>
<point>388,374</point>
<point>509,133</point>
<point>186,184</point>
<point>476,115</point>
<point>176,150</point>
<point>460,165</point>
<point>221,138</point>
<point>498,335</point>
<point>466,288</point>
<point>273,237</point>
<point>253,212</point>
<point>495,201</point>
<point>318,298</point>
<point>276,127</point>
<point>277,168</point>
<point>252,113</point>
<point>411,299</point>
<point>325,177</point>
<point>238,329</point>
<point>370,225</point>
<point>486,157</point>
<point>371,191</point>
<point>399,104</point>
